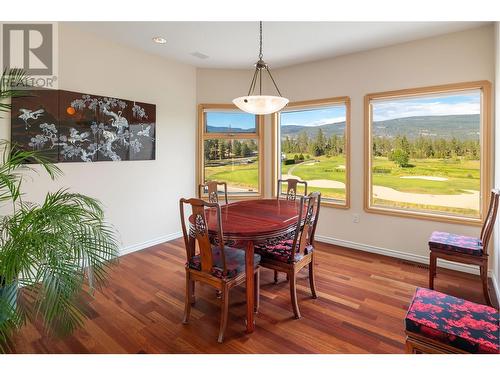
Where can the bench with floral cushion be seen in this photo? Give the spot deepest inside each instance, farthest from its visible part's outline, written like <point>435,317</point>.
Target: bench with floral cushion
<point>439,323</point>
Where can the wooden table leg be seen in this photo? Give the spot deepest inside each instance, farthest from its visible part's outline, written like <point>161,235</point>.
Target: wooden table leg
<point>249,269</point>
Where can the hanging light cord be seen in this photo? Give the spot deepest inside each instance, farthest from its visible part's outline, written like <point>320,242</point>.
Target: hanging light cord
<point>258,69</point>
<point>260,33</point>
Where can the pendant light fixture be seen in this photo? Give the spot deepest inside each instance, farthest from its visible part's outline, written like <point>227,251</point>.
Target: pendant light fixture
<point>260,104</point>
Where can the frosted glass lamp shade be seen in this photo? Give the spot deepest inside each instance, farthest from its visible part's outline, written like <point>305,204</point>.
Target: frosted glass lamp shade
<point>260,104</point>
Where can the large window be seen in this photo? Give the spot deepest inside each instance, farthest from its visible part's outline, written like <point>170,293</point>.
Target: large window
<point>312,140</point>
<point>230,149</point>
<point>428,152</point>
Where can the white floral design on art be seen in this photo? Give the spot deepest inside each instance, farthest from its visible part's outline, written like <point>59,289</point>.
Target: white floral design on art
<point>27,114</point>
<point>105,136</point>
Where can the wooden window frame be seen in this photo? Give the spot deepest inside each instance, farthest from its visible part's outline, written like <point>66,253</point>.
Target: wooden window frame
<point>312,104</point>
<point>485,144</point>
<point>203,134</point>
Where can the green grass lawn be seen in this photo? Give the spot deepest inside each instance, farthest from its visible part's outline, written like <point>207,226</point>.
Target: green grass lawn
<point>245,176</point>
<point>320,168</point>
<point>461,174</point>
<point>326,169</point>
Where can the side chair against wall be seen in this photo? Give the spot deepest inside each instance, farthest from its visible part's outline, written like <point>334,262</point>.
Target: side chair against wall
<point>463,249</point>
<point>291,195</point>
<point>291,189</point>
<point>212,188</point>
<point>222,267</point>
<point>290,256</point>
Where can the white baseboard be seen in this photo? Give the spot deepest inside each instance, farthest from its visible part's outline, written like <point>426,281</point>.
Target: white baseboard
<point>131,248</point>
<point>400,255</point>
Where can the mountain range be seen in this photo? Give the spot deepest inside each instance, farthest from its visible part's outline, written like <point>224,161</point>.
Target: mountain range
<point>458,126</point>
<point>226,129</point>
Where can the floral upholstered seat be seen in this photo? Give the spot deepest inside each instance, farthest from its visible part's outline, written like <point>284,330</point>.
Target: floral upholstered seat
<point>235,262</point>
<point>465,325</point>
<point>455,242</point>
<point>281,251</point>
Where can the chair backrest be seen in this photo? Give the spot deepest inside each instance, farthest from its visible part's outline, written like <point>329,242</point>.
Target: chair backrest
<point>489,221</point>
<point>291,189</point>
<point>212,188</point>
<point>307,222</point>
<point>198,232</point>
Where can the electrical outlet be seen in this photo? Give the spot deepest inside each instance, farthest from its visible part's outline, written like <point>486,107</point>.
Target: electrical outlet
<point>355,218</point>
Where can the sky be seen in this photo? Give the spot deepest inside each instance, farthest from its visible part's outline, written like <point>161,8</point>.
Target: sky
<point>457,104</point>
<point>233,119</point>
<point>313,117</point>
<point>460,104</point>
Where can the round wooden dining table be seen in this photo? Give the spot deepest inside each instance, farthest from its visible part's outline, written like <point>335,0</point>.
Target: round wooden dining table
<point>250,222</point>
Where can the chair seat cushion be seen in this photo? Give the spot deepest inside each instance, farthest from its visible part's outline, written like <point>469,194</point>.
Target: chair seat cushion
<point>455,242</point>
<point>235,262</point>
<point>281,251</point>
<point>465,325</point>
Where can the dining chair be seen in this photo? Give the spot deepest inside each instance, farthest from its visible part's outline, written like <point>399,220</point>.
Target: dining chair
<point>291,189</point>
<point>292,255</point>
<point>220,266</point>
<point>212,189</point>
<point>464,249</point>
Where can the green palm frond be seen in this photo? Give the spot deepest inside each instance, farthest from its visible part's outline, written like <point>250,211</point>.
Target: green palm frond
<point>49,250</point>
<point>13,168</point>
<point>12,85</point>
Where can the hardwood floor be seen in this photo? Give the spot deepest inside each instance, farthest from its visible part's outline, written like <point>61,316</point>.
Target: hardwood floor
<point>361,305</point>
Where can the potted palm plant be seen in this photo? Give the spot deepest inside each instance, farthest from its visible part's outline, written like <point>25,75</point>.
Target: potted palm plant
<point>50,252</point>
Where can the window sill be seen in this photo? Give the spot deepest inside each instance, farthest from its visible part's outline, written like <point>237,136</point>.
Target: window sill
<point>235,198</point>
<point>425,216</point>
<point>334,204</point>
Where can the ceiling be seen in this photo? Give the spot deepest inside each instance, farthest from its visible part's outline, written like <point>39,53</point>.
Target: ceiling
<point>235,44</point>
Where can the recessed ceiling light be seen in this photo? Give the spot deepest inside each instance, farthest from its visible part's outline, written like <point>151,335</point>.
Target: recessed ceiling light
<point>159,40</point>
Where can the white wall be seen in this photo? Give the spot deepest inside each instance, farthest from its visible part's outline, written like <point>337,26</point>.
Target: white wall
<point>140,197</point>
<point>457,57</point>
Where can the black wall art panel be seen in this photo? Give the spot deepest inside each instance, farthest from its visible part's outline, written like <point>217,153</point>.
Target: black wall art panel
<point>142,132</point>
<point>74,127</point>
<point>34,122</point>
